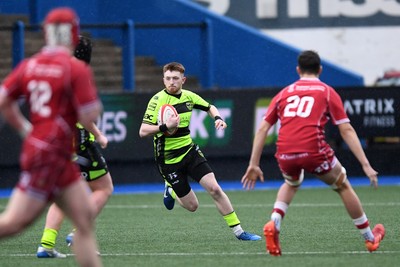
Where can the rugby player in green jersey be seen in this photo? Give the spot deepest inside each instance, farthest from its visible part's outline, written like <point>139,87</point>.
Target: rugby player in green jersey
<point>176,155</point>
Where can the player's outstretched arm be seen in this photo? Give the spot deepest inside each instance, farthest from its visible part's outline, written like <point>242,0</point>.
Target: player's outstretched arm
<point>349,135</point>
<point>254,171</point>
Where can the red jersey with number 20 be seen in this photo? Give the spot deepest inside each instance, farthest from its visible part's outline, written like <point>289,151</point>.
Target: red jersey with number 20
<point>303,109</point>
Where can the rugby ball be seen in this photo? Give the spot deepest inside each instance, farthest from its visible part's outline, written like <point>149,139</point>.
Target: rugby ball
<point>165,112</point>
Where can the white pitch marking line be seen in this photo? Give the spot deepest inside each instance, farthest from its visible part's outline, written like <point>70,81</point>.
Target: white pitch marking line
<point>299,205</point>
<point>289,253</point>
<point>308,205</point>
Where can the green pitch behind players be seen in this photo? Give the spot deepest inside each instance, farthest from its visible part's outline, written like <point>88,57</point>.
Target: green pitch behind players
<point>178,157</point>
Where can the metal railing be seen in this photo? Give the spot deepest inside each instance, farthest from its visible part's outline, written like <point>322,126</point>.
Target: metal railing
<point>128,45</point>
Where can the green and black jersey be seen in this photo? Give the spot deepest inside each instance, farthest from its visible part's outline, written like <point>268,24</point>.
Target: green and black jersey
<point>171,149</point>
<point>91,162</point>
<point>83,139</point>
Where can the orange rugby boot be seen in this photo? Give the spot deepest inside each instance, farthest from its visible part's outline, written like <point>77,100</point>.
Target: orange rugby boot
<point>272,239</point>
<point>379,234</point>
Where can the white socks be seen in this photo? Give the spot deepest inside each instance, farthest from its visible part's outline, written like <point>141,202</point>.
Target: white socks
<point>237,230</point>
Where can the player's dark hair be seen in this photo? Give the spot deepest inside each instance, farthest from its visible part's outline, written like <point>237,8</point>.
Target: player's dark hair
<point>83,50</point>
<point>174,66</point>
<point>309,62</point>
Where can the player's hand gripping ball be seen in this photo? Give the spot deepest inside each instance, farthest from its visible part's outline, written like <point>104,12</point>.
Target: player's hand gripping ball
<point>165,112</point>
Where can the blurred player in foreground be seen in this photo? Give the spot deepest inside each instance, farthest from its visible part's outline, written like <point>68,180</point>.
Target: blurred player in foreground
<point>93,169</point>
<point>178,157</point>
<point>60,91</point>
<point>303,109</point>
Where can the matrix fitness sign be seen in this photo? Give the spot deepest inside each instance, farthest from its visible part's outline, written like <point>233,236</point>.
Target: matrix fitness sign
<point>374,112</point>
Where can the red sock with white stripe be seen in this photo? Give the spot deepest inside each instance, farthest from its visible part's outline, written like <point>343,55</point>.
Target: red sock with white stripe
<point>363,225</point>
<point>278,213</point>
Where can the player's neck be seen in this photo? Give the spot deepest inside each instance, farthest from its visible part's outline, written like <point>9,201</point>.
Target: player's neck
<point>309,76</point>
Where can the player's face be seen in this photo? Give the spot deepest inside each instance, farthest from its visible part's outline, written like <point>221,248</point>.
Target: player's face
<point>173,81</point>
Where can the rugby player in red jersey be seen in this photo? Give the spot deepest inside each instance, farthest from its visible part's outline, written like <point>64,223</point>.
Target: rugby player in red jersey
<point>303,109</point>
<point>60,91</point>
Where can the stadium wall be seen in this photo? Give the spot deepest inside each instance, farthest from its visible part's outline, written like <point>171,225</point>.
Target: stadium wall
<point>375,112</point>
<point>334,28</point>
<point>224,54</point>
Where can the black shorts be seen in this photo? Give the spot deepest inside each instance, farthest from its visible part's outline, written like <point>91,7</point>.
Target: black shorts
<point>193,165</point>
<point>91,162</point>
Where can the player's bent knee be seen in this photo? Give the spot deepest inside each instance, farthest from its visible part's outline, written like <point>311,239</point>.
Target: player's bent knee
<point>215,191</point>
<point>340,182</point>
<point>189,203</point>
<point>192,207</point>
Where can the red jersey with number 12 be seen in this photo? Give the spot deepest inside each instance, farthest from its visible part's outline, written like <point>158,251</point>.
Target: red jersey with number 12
<point>303,109</point>
<point>56,86</point>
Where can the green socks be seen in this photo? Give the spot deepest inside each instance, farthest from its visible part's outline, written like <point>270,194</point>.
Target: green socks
<point>49,238</point>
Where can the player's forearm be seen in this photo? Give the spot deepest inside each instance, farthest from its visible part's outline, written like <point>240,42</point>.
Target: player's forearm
<point>256,152</point>
<point>87,116</point>
<point>213,112</point>
<point>350,137</point>
<point>258,143</point>
<point>93,129</point>
<point>13,115</point>
<point>148,130</point>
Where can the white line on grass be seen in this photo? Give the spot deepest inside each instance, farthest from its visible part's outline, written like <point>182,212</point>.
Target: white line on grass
<point>289,253</point>
<point>300,205</point>
<point>308,205</point>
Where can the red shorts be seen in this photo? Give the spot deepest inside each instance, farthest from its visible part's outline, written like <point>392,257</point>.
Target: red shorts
<point>46,172</point>
<point>314,163</point>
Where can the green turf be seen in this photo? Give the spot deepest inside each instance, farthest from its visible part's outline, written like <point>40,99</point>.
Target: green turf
<point>136,230</point>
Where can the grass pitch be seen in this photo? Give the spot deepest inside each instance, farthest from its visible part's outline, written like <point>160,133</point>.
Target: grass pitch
<point>136,230</point>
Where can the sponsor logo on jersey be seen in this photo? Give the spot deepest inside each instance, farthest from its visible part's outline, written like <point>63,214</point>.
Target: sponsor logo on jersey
<point>152,106</point>
<point>147,117</point>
